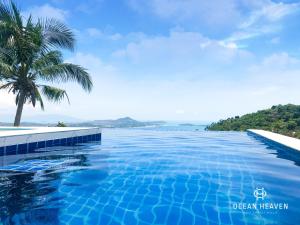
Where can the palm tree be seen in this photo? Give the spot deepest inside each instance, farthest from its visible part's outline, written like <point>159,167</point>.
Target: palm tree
<point>29,54</point>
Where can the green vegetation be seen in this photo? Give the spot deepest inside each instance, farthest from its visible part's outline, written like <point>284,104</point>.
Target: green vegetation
<point>283,119</point>
<point>61,124</point>
<point>30,54</point>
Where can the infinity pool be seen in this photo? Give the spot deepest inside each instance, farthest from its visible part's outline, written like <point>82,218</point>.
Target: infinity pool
<point>154,177</point>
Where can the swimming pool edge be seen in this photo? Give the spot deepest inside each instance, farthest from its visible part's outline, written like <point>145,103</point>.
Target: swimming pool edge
<point>278,139</point>
<point>37,138</point>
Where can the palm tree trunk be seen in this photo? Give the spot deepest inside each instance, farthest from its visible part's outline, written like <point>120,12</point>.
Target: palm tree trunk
<point>19,110</point>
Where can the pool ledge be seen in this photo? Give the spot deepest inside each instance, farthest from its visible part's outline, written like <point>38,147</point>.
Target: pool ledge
<point>30,139</point>
<point>280,139</point>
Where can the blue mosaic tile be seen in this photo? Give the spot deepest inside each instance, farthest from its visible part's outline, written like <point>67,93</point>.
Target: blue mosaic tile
<point>22,149</point>
<point>42,144</point>
<point>84,139</point>
<point>2,151</point>
<point>32,147</point>
<point>11,150</point>
<point>69,141</point>
<point>63,141</point>
<point>98,137</point>
<point>49,143</point>
<point>75,140</point>
<point>56,142</point>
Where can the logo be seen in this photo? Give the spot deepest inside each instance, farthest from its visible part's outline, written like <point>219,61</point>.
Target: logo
<point>265,205</point>
<point>260,193</point>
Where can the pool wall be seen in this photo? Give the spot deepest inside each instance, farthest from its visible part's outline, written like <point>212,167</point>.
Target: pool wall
<point>18,141</point>
<point>275,139</point>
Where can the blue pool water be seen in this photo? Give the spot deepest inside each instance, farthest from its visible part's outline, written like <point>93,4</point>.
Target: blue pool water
<point>12,128</point>
<point>150,176</point>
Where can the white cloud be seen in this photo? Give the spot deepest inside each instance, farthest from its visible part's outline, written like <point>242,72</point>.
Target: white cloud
<point>266,90</point>
<point>179,52</point>
<point>217,11</point>
<point>276,75</point>
<point>46,11</point>
<point>244,18</point>
<point>97,33</point>
<point>115,36</point>
<point>275,40</point>
<point>270,12</point>
<point>213,12</point>
<point>7,106</point>
<point>94,32</point>
<point>250,33</point>
<point>281,59</point>
<point>231,45</point>
<point>92,63</point>
<point>6,100</point>
<point>179,111</point>
<point>89,6</point>
<point>264,19</point>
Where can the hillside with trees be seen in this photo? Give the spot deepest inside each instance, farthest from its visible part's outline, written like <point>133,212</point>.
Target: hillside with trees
<point>283,119</point>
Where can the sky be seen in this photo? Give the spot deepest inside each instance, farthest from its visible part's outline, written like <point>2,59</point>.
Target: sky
<point>194,60</point>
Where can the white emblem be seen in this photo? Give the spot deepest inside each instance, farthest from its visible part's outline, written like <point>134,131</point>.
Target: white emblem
<point>260,193</point>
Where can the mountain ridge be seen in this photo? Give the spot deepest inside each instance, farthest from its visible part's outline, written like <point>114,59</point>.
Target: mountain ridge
<point>110,123</point>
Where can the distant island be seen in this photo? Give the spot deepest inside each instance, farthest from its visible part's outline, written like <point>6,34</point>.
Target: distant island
<point>283,119</point>
<point>187,124</point>
<point>118,123</point>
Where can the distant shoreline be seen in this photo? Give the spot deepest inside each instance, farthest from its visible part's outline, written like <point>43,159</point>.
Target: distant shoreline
<point>125,122</point>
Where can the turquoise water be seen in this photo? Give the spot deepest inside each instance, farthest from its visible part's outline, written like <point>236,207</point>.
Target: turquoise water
<point>174,127</point>
<point>150,176</point>
<point>12,128</point>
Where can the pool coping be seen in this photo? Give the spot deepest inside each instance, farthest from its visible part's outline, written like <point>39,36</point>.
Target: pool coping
<point>289,142</point>
<point>14,142</point>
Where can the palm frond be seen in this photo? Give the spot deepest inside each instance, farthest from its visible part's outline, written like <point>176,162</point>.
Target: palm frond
<point>48,59</point>
<point>57,34</point>
<point>7,55</point>
<point>6,22</point>
<point>54,94</point>
<point>16,15</point>
<point>35,96</point>
<point>39,99</point>
<point>10,17</point>
<point>7,86</point>
<point>6,70</point>
<point>65,72</point>
<point>5,12</point>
